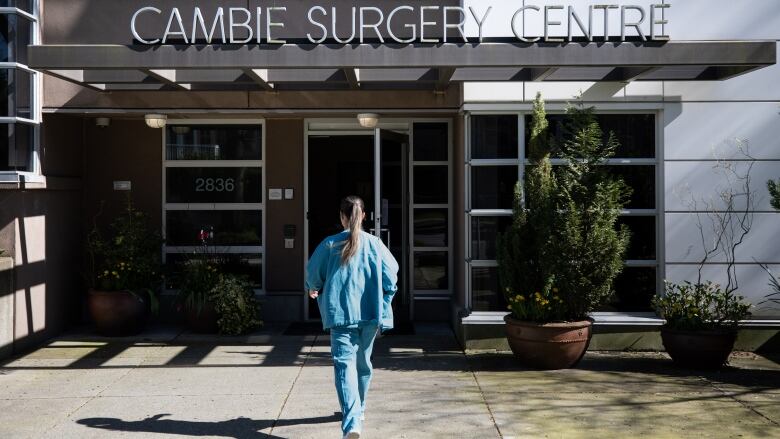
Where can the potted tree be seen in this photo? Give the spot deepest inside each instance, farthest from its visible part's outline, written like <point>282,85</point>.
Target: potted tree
<point>563,250</point>
<point>124,273</point>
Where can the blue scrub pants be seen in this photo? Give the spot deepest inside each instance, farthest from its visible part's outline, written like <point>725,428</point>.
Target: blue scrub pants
<point>351,349</point>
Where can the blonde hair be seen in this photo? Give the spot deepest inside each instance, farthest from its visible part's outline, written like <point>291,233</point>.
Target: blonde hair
<point>352,209</point>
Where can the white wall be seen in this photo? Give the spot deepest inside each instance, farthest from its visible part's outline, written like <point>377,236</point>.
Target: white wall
<point>700,120</point>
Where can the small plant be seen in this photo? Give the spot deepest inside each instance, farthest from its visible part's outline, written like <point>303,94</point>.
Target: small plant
<point>774,282</point>
<point>701,306</point>
<point>235,303</point>
<point>198,276</point>
<point>127,258</point>
<point>544,306</point>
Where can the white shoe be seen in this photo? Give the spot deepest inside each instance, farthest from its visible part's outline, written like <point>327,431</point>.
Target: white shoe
<point>354,434</point>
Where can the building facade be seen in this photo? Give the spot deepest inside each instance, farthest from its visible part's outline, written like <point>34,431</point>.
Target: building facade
<point>261,138</point>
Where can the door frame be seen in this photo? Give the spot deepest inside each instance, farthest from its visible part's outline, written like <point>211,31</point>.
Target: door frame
<point>350,127</point>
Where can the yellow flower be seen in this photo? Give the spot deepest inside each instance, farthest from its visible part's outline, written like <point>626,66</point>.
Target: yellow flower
<point>114,273</point>
<point>509,307</point>
<point>521,298</point>
<point>555,290</point>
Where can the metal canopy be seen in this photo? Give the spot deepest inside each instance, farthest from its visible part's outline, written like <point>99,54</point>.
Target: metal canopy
<point>389,66</point>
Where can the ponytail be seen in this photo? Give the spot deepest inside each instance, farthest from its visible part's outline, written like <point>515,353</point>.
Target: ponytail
<point>352,209</point>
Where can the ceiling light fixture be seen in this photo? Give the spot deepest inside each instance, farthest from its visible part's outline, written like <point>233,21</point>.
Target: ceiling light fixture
<point>368,120</point>
<point>156,120</point>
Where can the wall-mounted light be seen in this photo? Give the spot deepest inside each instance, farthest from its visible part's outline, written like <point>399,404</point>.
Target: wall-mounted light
<point>368,120</point>
<point>156,120</point>
<point>102,122</point>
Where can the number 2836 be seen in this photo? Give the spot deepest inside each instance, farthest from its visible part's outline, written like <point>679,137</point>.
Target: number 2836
<point>215,184</point>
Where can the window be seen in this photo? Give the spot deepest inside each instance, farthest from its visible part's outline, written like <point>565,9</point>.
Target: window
<point>19,113</point>
<point>496,160</point>
<point>431,255</point>
<point>214,182</point>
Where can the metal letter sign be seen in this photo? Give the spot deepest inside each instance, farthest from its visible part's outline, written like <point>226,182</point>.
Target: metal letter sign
<point>417,23</point>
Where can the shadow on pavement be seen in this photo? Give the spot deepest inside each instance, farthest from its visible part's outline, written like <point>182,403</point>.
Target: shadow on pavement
<point>238,428</point>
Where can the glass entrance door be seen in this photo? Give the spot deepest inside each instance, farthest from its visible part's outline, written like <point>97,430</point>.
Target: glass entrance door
<point>391,207</point>
<point>376,168</point>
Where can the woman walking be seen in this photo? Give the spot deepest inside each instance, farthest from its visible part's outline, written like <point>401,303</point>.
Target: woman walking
<point>353,276</point>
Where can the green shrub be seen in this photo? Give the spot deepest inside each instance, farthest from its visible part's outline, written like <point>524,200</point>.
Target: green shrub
<point>235,303</point>
<point>774,193</point>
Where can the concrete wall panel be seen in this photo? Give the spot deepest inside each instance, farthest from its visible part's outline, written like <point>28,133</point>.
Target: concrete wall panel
<point>693,131</point>
<point>702,182</point>
<point>683,243</point>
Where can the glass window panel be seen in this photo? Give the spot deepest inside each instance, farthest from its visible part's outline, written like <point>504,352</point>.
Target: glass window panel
<point>485,291</point>
<point>642,180</point>
<point>492,187</point>
<point>16,147</point>
<point>243,264</point>
<point>494,137</point>
<point>214,185</point>
<point>430,185</point>
<point>430,271</point>
<point>15,95</point>
<point>642,245</point>
<point>635,132</point>
<point>25,5</point>
<point>634,290</point>
<point>14,38</point>
<point>430,227</point>
<point>214,142</point>
<point>231,227</point>
<point>484,232</point>
<point>430,141</point>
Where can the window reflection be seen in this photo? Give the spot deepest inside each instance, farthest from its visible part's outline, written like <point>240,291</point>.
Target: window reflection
<point>208,142</point>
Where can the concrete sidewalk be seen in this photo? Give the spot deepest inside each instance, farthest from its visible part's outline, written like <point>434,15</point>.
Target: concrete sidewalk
<point>268,385</point>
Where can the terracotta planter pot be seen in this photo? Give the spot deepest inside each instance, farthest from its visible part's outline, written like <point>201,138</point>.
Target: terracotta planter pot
<point>699,349</point>
<point>117,313</point>
<point>203,322</point>
<point>550,345</point>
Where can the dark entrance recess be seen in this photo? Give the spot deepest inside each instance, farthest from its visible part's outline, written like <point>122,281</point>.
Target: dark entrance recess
<point>341,165</point>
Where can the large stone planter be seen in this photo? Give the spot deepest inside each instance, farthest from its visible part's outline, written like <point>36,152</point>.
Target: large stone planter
<point>549,345</point>
<point>699,349</point>
<point>117,313</point>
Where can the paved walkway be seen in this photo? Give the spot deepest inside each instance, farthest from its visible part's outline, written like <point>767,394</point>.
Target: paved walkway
<point>269,385</point>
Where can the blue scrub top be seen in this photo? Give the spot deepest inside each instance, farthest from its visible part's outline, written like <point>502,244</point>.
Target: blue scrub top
<point>360,291</point>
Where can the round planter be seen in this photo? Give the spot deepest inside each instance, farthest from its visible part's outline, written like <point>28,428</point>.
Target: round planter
<point>117,313</point>
<point>203,322</point>
<point>699,349</point>
<point>549,345</point>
